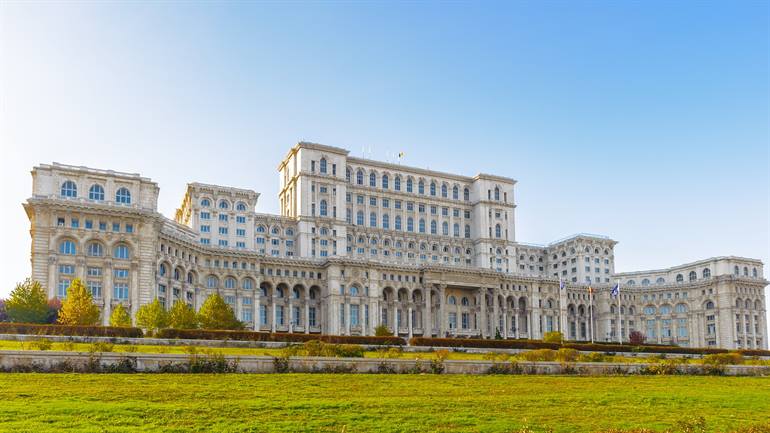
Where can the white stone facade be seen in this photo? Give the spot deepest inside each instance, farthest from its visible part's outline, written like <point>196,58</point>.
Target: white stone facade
<point>361,243</point>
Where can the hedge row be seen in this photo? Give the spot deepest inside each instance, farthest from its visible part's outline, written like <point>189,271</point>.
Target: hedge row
<point>206,334</point>
<point>87,331</point>
<point>587,347</point>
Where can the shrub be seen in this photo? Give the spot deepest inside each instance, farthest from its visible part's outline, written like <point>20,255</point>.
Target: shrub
<point>539,355</point>
<point>27,303</point>
<point>120,316</point>
<point>566,354</point>
<point>731,358</point>
<point>592,357</point>
<point>79,307</point>
<point>636,338</point>
<point>42,344</point>
<point>87,331</point>
<point>101,346</point>
<point>382,331</point>
<point>216,314</point>
<point>553,337</point>
<point>182,316</point>
<point>152,317</point>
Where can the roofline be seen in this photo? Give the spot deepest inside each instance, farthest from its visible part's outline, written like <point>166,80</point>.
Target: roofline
<point>91,170</point>
<point>697,262</point>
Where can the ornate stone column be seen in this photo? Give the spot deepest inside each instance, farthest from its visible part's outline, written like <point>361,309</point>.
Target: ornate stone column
<point>307,315</point>
<point>427,327</point>
<point>484,326</point>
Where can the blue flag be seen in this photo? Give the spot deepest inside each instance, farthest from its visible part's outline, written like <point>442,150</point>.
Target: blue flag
<point>562,285</point>
<point>615,290</point>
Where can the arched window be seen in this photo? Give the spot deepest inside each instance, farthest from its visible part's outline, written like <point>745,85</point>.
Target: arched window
<point>123,195</point>
<point>96,193</point>
<point>385,221</point>
<point>260,229</point>
<point>229,283</point>
<point>95,249</point>
<point>176,274</point>
<point>409,185</point>
<point>397,183</point>
<point>121,252</point>
<point>373,219</point>
<point>646,282</point>
<point>631,283</point>
<point>322,165</point>
<point>709,305</point>
<point>409,224</point>
<point>464,301</point>
<point>736,271</point>
<point>360,177</point>
<point>422,225</point>
<point>223,204</point>
<point>455,192</point>
<point>347,175</point>
<point>247,284</point>
<point>745,271</point>
<point>451,300</point>
<point>241,207</point>
<point>433,188</point>
<point>754,272</point>
<point>398,222</point>
<point>498,231</point>
<point>467,231</point>
<point>660,280</point>
<point>353,291</point>
<point>444,191</point>
<point>384,181</point>
<point>665,309</point>
<point>707,273</point>
<point>372,179</point>
<point>445,228</point>
<point>456,230</point>
<point>323,208</point>
<point>649,310</point>
<point>67,247</point>
<point>466,194</point>
<point>69,189</point>
<point>497,193</point>
<point>212,282</point>
<point>433,227</point>
<point>360,218</point>
<point>420,188</point>
<point>679,278</point>
<point>693,276</point>
<point>680,308</point>
<point>738,303</point>
<point>205,202</point>
<point>162,270</point>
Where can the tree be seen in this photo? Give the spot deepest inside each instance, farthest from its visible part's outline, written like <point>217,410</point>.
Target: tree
<point>79,307</point>
<point>216,314</point>
<point>120,317</point>
<point>636,338</point>
<point>382,331</point>
<point>553,337</point>
<point>27,303</point>
<point>152,316</point>
<point>182,316</point>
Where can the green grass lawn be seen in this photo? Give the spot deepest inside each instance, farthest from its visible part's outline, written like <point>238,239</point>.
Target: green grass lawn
<point>338,402</point>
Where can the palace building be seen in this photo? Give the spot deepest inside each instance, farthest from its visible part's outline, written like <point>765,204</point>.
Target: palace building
<point>362,243</point>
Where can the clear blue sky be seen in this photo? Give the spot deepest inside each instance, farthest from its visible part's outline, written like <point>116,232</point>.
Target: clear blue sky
<point>644,121</point>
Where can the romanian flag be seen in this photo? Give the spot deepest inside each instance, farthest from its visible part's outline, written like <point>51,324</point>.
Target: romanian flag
<point>401,154</point>
<point>590,290</point>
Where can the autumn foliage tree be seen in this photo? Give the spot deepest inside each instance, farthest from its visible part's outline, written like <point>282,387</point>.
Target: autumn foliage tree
<point>182,316</point>
<point>216,314</point>
<point>152,316</point>
<point>120,317</point>
<point>79,307</point>
<point>27,303</point>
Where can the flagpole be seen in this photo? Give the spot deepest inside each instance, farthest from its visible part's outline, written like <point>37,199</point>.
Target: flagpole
<point>591,311</point>
<point>620,316</point>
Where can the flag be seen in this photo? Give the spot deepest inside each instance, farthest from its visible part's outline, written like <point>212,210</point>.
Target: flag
<point>562,285</point>
<point>401,154</point>
<point>615,290</point>
<point>590,290</point>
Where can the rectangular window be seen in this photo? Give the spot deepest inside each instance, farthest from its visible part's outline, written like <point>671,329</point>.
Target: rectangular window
<point>120,273</point>
<point>452,320</point>
<point>67,269</point>
<point>240,219</point>
<point>263,314</point>
<point>342,314</point>
<point>205,241</point>
<point>222,217</point>
<point>247,315</point>
<point>102,226</point>
<point>74,223</point>
<point>89,224</point>
<point>94,272</point>
<point>311,316</point>
<point>205,216</point>
<point>205,229</point>
<point>223,230</point>
<point>240,232</point>
<point>62,289</point>
<point>120,291</point>
<point>96,288</point>
<point>222,243</point>
<point>116,227</point>
<point>354,315</point>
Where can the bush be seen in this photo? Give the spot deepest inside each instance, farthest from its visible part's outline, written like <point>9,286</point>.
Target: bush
<point>553,337</point>
<point>566,354</point>
<point>27,303</point>
<point>539,355</point>
<point>87,331</point>
<point>382,331</point>
<point>211,334</point>
<point>636,338</point>
<point>732,358</point>
<point>42,344</point>
<point>101,346</point>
